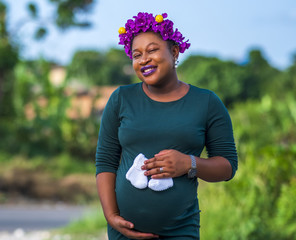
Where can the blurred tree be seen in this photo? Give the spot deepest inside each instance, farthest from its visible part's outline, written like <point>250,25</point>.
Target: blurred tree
<point>287,82</point>
<point>86,66</point>
<point>8,59</point>
<point>42,125</point>
<point>260,202</point>
<point>223,77</point>
<point>231,81</point>
<point>94,67</point>
<point>47,106</point>
<point>117,68</point>
<point>259,76</point>
<point>65,15</point>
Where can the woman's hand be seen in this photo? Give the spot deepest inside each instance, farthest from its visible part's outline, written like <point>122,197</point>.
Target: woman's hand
<point>126,228</point>
<point>106,191</point>
<point>167,163</point>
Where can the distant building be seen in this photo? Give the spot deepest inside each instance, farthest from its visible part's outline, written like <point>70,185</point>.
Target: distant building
<point>83,101</point>
<point>82,104</point>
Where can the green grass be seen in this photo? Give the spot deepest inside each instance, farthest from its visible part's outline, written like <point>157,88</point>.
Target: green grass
<point>92,224</point>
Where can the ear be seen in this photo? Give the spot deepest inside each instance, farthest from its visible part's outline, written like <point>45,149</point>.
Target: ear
<point>175,51</point>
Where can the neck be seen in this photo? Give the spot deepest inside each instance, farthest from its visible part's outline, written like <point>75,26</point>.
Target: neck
<point>163,89</point>
<point>173,91</point>
<point>166,86</point>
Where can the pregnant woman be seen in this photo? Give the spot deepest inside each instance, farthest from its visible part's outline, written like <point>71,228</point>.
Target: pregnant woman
<point>151,136</point>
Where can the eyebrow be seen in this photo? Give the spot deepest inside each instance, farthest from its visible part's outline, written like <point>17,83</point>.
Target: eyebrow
<point>152,43</point>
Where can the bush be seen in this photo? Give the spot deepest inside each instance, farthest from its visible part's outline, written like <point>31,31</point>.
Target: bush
<point>259,202</point>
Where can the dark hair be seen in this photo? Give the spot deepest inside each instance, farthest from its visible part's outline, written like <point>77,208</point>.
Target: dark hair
<point>171,43</point>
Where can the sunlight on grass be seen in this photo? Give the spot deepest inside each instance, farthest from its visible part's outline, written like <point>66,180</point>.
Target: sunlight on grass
<point>92,223</point>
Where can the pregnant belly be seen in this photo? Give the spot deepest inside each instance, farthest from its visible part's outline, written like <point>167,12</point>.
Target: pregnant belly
<point>152,211</point>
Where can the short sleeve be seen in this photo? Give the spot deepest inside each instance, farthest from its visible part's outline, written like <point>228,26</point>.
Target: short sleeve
<point>108,147</point>
<point>219,134</point>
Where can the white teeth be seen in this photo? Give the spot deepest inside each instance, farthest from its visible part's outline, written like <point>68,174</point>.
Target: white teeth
<point>147,70</point>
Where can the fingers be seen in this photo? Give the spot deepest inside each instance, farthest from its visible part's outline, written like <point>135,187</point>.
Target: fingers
<point>118,222</point>
<point>126,228</point>
<point>158,157</point>
<point>125,224</point>
<point>157,173</point>
<point>167,163</point>
<point>157,168</point>
<point>132,234</point>
<point>156,164</point>
<point>163,152</point>
<point>151,163</point>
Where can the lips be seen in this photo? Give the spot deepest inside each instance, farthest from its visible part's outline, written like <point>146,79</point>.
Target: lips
<point>148,70</point>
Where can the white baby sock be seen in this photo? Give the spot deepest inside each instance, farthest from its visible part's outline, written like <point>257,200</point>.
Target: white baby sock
<point>160,184</point>
<point>136,175</point>
<point>137,178</point>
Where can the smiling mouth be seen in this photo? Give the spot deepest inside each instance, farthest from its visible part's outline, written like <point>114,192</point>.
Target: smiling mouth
<point>148,70</point>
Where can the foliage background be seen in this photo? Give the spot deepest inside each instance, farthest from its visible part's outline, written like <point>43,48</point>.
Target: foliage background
<point>257,204</point>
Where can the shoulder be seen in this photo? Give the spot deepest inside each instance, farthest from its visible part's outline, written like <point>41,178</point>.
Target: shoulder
<point>127,89</point>
<point>203,93</point>
<point>208,98</point>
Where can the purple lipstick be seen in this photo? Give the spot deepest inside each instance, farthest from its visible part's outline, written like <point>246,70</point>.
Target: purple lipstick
<point>148,70</point>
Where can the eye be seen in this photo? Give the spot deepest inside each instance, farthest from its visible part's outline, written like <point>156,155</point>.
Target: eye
<point>153,50</point>
<point>136,55</point>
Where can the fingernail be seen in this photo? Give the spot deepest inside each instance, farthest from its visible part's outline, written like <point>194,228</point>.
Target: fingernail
<point>143,167</point>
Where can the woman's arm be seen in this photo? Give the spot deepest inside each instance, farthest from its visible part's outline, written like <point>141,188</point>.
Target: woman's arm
<point>106,191</point>
<point>175,164</point>
<point>213,169</point>
<point>221,163</point>
<point>107,195</point>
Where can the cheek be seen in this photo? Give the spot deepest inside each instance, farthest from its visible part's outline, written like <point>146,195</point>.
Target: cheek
<point>137,69</point>
<point>166,61</point>
<point>135,66</point>
<point>165,57</point>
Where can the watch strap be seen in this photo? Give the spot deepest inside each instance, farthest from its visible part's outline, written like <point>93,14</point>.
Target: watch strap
<point>193,170</point>
<point>193,161</point>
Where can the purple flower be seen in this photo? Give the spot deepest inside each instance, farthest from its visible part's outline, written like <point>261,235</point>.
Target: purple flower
<point>146,22</point>
<point>177,36</point>
<point>183,46</point>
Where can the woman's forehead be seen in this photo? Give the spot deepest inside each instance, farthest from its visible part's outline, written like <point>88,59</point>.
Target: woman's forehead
<point>147,38</point>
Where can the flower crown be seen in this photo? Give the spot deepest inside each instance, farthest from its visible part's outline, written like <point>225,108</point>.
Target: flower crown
<point>146,22</point>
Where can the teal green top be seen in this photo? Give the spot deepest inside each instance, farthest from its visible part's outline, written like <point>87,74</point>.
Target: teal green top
<point>133,123</point>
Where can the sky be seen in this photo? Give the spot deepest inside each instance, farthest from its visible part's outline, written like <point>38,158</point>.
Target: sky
<point>227,29</point>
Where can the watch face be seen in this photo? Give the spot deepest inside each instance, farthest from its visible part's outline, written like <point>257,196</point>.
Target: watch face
<point>192,173</point>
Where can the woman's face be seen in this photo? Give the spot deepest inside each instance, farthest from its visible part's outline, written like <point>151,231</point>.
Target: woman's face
<point>153,59</point>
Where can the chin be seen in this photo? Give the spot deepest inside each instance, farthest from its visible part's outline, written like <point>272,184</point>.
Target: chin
<point>151,83</point>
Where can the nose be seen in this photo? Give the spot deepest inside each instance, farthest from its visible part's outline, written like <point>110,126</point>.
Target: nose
<point>144,59</point>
